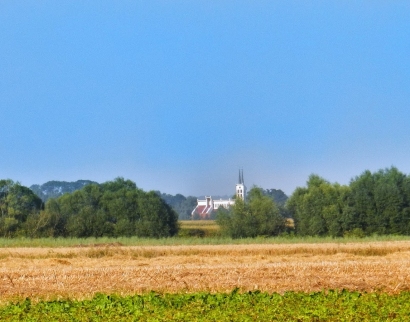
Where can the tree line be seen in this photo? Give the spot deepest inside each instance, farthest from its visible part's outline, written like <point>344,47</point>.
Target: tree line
<point>54,189</point>
<point>114,208</point>
<point>372,203</point>
<point>182,205</point>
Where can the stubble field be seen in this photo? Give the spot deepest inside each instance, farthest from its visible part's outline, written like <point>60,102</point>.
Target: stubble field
<point>81,272</point>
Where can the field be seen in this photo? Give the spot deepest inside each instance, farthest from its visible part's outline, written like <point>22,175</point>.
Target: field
<point>205,279</point>
<point>81,272</point>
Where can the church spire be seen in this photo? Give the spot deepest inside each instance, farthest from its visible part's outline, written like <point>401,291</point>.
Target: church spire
<point>241,181</point>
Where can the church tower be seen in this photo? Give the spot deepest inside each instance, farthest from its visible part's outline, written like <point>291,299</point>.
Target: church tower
<point>240,186</point>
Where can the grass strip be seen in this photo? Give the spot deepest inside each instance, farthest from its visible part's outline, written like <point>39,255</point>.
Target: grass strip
<point>177,241</point>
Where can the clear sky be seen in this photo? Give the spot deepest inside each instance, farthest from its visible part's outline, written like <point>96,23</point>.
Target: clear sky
<point>178,95</point>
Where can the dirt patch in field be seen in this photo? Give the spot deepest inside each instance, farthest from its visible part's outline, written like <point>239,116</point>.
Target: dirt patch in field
<point>80,272</point>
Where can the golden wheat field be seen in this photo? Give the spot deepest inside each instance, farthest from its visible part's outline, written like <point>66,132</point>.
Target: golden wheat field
<point>80,272</point>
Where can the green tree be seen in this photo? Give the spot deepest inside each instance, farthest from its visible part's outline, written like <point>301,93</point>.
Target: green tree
<point>380,202</point>
<point>318,209</point>
<point>258,216</point>
<point>114,208</point>
<point>47,223</point>
<point>17,203</point>
<point>158,219</point>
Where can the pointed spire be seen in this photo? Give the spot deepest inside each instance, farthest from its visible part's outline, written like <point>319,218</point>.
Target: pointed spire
<point>240,181</point>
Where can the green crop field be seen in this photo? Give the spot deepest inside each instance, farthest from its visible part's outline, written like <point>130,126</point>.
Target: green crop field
<point>251,306</point>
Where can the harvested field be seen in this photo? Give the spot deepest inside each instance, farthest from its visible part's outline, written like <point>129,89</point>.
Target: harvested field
<point>80,272</point>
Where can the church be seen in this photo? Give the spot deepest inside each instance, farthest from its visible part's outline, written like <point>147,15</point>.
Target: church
<point>205,207</point>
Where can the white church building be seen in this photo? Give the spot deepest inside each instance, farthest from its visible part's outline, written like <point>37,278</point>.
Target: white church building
<point>206,206</point>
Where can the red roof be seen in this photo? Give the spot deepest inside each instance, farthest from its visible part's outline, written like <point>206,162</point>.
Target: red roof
<point>203,211</point>
<point>200,209</point>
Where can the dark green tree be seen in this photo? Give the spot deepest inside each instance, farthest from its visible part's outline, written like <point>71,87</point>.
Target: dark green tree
<point>115,208</point>
<point>318,209</point>
<point>17,203</point>
<point>158,219</point>
<point>258,216</point>
<point>379,202</point>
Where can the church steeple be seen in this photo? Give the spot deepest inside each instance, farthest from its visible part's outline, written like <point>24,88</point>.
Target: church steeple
<point>240,186</point>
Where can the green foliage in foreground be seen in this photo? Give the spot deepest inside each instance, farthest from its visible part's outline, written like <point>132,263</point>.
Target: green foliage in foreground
<point>252,306</point>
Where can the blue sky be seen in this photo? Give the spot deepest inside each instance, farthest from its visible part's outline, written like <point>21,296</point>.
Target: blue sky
<point>178,95</point>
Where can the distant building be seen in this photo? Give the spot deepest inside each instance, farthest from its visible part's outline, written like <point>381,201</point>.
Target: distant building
<point>205,207</point>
